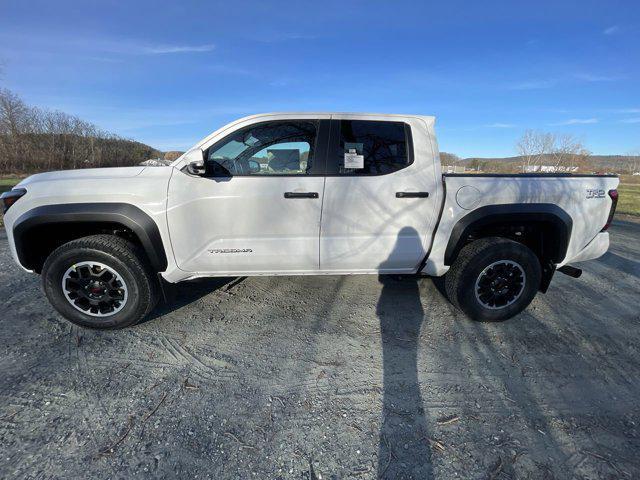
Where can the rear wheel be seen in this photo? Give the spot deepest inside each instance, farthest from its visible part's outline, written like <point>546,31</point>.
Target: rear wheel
<point>101,281</point>
<point>493,279</point>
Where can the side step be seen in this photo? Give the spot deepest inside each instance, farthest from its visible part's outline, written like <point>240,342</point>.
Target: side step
<point>571,271</point>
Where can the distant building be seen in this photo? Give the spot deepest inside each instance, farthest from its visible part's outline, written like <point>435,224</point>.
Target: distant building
<point>155,162</point>
<point>549,169</point>
<point>454,168</point>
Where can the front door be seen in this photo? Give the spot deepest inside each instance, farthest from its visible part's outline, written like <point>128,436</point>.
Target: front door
<point>257,208</point>
<point>380,197</point>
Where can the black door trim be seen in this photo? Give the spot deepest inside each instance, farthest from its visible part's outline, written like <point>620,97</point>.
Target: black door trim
<point>412,194</point>
<point>301,195</point>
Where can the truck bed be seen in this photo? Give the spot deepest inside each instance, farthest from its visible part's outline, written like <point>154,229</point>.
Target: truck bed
<point>582,198</point>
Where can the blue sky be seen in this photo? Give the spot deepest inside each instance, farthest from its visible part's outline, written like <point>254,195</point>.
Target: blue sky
<point>168,75</point>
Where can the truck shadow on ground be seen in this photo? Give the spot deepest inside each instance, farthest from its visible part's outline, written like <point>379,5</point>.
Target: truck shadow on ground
<point>179,295</point>
<point>403,421</point>
<point>618,262</point>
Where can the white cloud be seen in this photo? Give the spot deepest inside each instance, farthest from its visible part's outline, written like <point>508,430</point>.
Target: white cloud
<point>564,80</point>
<point>164,49</point>
<point>589,77</point>
<point>135,46</point>
<point>500,125</point>
<point>275,37</point>
<point>611,30</point>
<point>631,120</point>
<point>576,121</point>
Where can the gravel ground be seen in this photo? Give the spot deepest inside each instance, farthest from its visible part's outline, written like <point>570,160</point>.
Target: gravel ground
<point>328,377</point>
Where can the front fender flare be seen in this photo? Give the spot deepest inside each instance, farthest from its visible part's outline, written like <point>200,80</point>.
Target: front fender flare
<point>124,214</point>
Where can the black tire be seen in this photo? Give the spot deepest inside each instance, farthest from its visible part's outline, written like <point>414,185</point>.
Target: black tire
<point>516,273</point>
<point>126,266</point>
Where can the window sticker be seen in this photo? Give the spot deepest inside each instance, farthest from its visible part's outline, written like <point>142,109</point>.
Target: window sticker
<point>353,160</point>
<point>353,157</point>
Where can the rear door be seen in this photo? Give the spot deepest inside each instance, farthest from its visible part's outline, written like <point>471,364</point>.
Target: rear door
<point>380,197</point>
<point>257,208</point>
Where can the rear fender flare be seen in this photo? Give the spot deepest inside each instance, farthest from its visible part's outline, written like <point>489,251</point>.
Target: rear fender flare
<point>516,213</point>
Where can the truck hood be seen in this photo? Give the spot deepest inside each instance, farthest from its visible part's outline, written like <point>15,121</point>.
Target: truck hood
<point>84,173</point>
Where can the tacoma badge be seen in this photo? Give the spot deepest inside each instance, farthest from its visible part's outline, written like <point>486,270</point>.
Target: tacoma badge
<point>230,250</point>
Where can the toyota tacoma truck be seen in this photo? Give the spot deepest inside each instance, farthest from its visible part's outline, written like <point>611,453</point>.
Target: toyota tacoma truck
<point>303,194</point>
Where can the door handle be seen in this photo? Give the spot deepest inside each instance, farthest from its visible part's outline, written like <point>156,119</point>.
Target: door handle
<point>301,195</point>
<point>412,194</point>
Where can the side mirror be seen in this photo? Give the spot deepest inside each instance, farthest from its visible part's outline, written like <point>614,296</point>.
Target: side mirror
<point>196,167</point>
<point>194,161</point>
<point>254,167</point>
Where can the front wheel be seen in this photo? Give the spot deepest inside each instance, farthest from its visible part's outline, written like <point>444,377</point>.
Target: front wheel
<point>100,281</point>
<point>493,279</point>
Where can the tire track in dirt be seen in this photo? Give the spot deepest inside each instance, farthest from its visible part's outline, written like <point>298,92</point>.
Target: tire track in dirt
<point>276,375</point>
<point>204,368</point>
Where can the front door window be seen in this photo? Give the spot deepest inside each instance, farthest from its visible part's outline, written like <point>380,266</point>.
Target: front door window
<point>270,148</point>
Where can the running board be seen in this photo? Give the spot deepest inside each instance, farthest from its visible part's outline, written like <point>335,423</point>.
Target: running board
<point>571,271</point>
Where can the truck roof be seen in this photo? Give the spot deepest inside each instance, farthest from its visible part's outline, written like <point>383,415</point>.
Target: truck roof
<point>428,119</point>
<point>340,114</point>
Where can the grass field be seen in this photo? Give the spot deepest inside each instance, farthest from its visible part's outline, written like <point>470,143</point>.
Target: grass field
<point>6,183</point>
<point>629,200</point>
<point>629,190</point>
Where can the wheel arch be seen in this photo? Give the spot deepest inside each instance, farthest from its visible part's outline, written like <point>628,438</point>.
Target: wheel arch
<point>40,230</point>
<point>511,221</point>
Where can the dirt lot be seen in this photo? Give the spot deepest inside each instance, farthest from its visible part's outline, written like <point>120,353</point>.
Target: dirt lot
<point>328,377</point>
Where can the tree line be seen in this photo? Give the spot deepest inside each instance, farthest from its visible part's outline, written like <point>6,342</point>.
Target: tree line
<point>537,152</point>
<point>34,140</point>
<point>546,152</point>
<point>558,152</point>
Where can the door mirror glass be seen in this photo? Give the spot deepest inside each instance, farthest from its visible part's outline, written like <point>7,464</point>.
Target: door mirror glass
<point>254,166</point>
<point>196,167</point>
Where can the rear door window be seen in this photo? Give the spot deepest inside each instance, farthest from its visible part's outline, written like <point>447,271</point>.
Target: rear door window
<point>366,147</point>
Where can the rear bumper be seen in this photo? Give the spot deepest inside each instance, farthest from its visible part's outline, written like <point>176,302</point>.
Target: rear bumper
<point>594,249</point>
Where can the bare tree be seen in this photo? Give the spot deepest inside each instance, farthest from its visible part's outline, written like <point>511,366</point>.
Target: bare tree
<point>561,152</point>
<point>532,147</point>
<point>173,155</point>
<point>449,160</point>
<point>33,139</point>
<point>568,153</point>
<point>631,161</point>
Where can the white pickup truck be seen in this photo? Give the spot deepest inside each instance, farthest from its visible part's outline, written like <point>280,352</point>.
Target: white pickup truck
<point>303,194</point>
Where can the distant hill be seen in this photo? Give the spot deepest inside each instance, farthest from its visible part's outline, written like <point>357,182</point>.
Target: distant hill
<point>598,163</point>
<point>38,152</point>
<point>172,155</point>
<point>34,140</point>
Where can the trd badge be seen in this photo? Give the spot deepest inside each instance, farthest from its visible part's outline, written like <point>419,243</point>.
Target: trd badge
<point>595,193</point>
